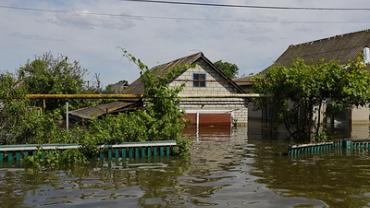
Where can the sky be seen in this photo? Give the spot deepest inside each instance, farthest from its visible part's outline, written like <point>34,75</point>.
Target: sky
<point>251,38</point>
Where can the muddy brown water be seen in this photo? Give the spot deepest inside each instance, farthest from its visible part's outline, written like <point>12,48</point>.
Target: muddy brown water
<point>240,168</point>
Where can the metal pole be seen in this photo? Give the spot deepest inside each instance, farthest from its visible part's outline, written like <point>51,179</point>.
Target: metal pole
<point>197,133</point>
<point>67,115</point>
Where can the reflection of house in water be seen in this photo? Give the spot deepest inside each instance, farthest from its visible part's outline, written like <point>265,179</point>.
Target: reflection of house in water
<point>342,48</point>
<point>203,78</point>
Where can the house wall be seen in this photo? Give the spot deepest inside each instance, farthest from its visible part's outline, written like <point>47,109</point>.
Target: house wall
<point>215,85</point>
<point>360,114</point>
<point>248,88</point>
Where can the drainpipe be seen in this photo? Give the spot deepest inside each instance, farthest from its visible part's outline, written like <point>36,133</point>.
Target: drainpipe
<point>67,115</point>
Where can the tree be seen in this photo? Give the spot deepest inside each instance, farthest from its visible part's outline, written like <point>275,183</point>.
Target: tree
<point>47,74</point>
<point>21,122</point>
<point>300,90</point>
<point>229,69</point>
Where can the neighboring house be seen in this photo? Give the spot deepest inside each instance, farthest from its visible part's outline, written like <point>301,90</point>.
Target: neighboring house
<point>342,48</point>
<point>202,79</point>
<point>246,83</point>
<point>117,87</point>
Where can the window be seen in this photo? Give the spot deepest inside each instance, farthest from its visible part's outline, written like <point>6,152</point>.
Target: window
<point>199,80</point>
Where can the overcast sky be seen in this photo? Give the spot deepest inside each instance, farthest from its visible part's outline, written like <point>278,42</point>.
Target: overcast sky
<point>250,38</point>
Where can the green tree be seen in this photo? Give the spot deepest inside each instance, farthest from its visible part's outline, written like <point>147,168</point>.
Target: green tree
<point>164,119</point>
<point>49,75</point>
<point>20,122</point>
<point>229,69</point>
<point>299,90</point>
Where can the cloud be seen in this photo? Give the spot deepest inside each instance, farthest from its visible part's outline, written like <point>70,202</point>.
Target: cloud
<point>84,20</point>
<point>252,39</point>
<point>36,37</point>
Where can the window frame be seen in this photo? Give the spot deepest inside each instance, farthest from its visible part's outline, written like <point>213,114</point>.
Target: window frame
<point>197,82</point>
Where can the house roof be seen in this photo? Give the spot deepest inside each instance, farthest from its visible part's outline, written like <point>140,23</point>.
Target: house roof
<point>118,87</point>
<point>137,87</point>
<point>247,80</point>
<point>93,112</point>
<point>342,48</point>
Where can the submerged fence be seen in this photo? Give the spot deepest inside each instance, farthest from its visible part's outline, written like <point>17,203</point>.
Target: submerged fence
<point>325,147</point>
<point>11,153</point>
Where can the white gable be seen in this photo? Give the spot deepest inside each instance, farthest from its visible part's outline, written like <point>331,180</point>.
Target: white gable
<point>215,83</point>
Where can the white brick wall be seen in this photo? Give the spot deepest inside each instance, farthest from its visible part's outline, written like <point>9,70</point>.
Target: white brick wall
<point>215,85</point>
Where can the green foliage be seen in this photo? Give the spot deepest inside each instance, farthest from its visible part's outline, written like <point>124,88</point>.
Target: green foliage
<point>21,123</point>
<point>160,119</point>
<point>12,106</point>
<point>182,147</point>
<point>54,159</point>
<point>72,156</point>
<point>321,137</point>
<point>161,113</point>
<point>229,69</point>
<point>47,74</point>
<point>296,91</point>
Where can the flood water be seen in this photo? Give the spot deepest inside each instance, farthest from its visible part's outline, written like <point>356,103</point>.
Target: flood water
<point>239,168</point>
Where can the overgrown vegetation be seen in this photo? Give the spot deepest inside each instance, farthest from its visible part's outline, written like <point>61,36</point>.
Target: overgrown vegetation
<point>23,121</point>
<point>229,69</point>
<point>299,92</point>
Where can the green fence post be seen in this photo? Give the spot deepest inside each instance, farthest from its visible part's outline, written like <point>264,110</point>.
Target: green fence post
<point>143,152</point>
<point>161,149</point>
<point>123,152</point>
<point>149,152</point>
<point>168,151</point>
<point>155,151</point>
<point>42,155</point>
<point>137,152</point>
<point>101,154</point>
<point>10,158</point>
<point>109,153</point>
<point>1,158</point>
<point>18,156</point>
<point>116,153</point>
<point>130,152</point>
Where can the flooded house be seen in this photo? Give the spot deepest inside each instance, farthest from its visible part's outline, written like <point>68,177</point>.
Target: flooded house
<point>342,48</point>
<point>205,80</point>
<point>201,81</point>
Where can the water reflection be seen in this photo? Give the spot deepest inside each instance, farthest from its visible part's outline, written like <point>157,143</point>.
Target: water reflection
<point>241,167</point>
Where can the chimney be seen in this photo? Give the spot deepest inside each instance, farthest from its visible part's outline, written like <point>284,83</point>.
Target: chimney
<point>366,54</point>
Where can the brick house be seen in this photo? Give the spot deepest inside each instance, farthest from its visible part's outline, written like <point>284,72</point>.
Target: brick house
<point>202,79</point>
